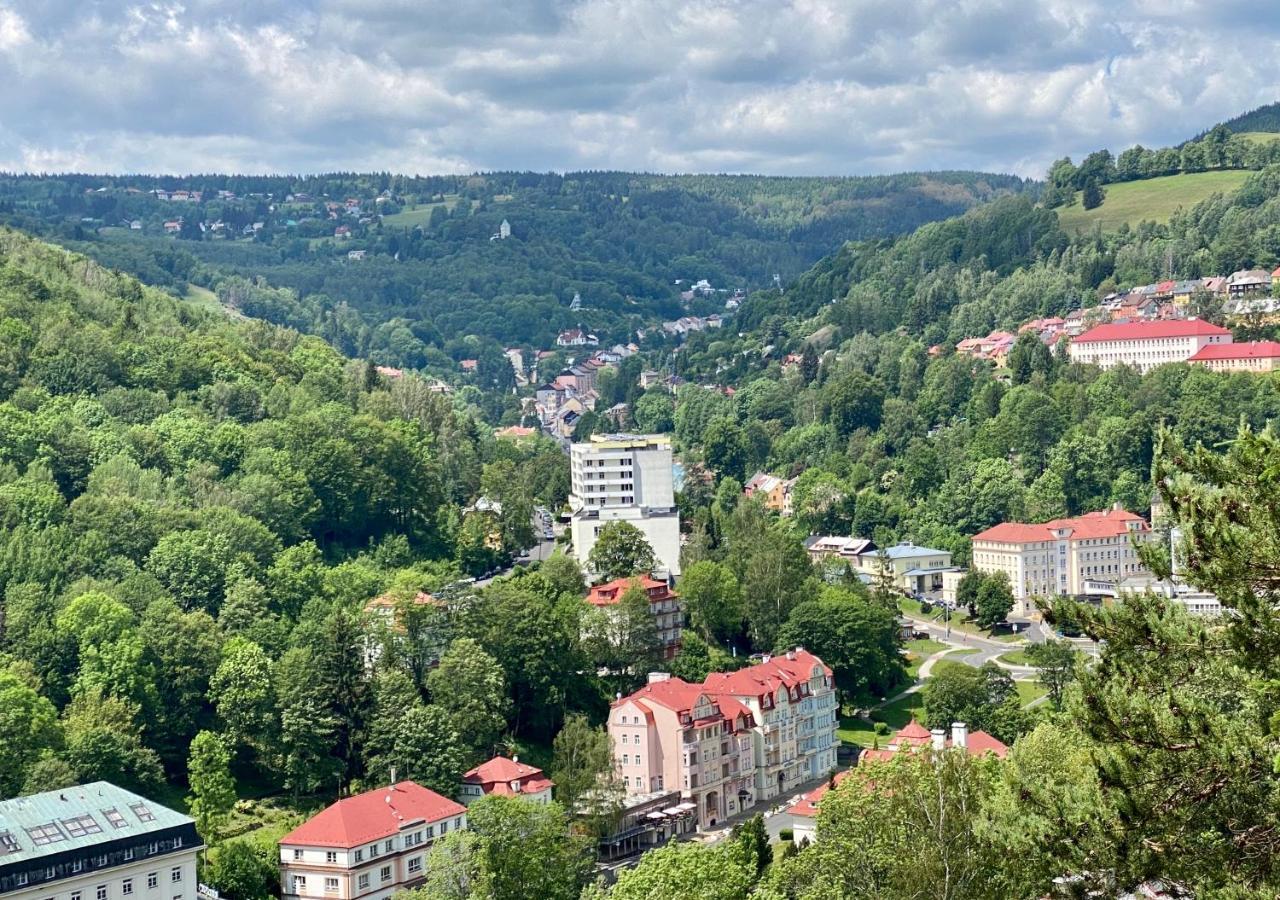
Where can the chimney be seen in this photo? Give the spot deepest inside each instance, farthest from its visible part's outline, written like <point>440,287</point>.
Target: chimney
<point>655,677</point>
<point>960,735</point>
<point>791,655</point>
<point>939,739</point>
<point>393,776</point>
<point>765,658</point>
<point>515,759</point>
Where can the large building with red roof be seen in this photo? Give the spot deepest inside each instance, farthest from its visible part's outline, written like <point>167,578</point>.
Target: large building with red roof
<point>1251,356</point>
<point>506,778</point>
<point>664,605</point>
<point>1145,345</point>
<point>1076,556</point>
<point>367,846</point>
<point>735,740</point>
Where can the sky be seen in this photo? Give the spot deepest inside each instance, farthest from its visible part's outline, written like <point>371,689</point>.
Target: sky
<point>812,87</point>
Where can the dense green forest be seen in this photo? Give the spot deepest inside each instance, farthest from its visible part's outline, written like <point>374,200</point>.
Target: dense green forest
<point>1265,118</point>
<point>432,277</point>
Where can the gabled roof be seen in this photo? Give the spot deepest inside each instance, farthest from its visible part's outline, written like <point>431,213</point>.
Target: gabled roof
<point>373,815</point>
<point>611,592</point>
<point>1250,350</point>
<point>789,669</point>
<point>1107,523</point>
<point>807,805</point>
<point>498,774</point>
<point>1145,331</point>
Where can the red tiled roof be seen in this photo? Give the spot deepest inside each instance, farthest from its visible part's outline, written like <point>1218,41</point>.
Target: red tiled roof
<point>1107,523</point>
<point>807,805</point>
<point>372,815</point>
<point>1146,331</point>
<point>611,592</point>
<point>497,774</point>
<point>1250,350</point>
<point>913,733</point>
<point>766,677</point>
<point>674,693</point>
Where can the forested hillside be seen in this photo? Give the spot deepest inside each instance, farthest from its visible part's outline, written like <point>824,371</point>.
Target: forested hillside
<point>431,275</point>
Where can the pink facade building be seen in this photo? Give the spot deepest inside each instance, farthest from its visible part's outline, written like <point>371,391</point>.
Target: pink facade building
<point>506,778</point>
<point>735,740</point>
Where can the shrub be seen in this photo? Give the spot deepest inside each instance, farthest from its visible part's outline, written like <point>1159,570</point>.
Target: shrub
<point>882,728</point>
<point>786,834</point>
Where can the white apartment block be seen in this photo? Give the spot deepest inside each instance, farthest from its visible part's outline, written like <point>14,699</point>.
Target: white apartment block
<point>1145,345</point>
<point>1085,555</point>
<point>368,846</point>
<point>95,842</point>
<point>625,478</point>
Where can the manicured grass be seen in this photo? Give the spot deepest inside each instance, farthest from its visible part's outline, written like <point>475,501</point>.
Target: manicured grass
<point>925,647</point>
<point>1015,658</point>
<point>855,730</point>
<point>959,622</point>
<point>1259,137</point>
<point>1029,691</point>
<point>1153,199</point>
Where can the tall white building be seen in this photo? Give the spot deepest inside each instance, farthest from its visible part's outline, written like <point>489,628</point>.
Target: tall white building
<point>625,478</point>
<point>1145,345</point>
<point>95,842</point>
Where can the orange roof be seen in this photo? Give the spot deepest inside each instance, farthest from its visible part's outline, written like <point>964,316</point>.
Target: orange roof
<point>611,592</point>
<point>1250,350</point>
<point>513,431</point>
<point>807,805</point>
<point>913,733</point>
<point>373,815</point>
<point>388,601</point>
<point>1146,331</point>
<point>680,696</point>
<point>1107,523</point>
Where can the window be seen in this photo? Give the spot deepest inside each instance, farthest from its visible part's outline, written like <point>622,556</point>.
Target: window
<point>46,834</point>
<point>360,854</point>
<point>143,812</point>
<point>415,864</point>
<point>431,832</point>
<point>444,827</point>
<point>299,884</point>
<point>388,846</point>
<point>457,823</point>
<point>297,854</point>
<point>373,851</point>
<point>385,874</point>
<point>128,853</point>
<point>8,843</point>
<point>101,892</point>
<point>77,865</point>
<point>79,826</point>
<point>50,873</point>
<point>100,860</point>
<point>126,886</point>
<point>114,817</point>
<point>20,878</point>
<point>175,874</point>
<point>331,856</point>
<point>75,895</point>
<point>152,879</point>
<point>331,885</point>
<point>364,882</point>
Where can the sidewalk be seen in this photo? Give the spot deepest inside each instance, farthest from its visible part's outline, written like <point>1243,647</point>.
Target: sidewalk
<point>775,806</point>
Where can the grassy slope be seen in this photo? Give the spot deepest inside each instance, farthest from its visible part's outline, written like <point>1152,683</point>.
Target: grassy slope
<point>1154,199</point>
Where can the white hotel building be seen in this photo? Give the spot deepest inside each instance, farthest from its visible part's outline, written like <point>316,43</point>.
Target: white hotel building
<point>627,478</point>
<point>1076,557</point>
<point>1145,345</point>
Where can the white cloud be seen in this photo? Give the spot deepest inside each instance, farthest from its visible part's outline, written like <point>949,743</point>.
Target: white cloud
<point>806,86</point>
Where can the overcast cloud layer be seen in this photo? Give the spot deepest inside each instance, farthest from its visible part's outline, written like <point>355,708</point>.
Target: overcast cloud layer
<point>435,86</point>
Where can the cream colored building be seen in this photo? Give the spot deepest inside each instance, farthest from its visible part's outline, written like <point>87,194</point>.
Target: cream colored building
<point>95,842</point>
<point>1145,345</point>
<point>910,568</point>
<point>1079,556</point>
<point>625,478</point>
<point>1254,356</point>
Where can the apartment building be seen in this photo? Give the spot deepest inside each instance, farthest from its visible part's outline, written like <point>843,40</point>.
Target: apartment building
<point>664,604</point>
<point>792,698</point>
<point>367,846</point>
<point>625,478</point>
<point>506,778</point>
<point>671,734</point>
<point>1076,556</point>
<point>95,842</point>
<point>1251,356</point>
<point>1145,345</point>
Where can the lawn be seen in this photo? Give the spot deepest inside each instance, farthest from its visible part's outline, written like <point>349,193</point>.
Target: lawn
<point>925,647</point>
<point>413,216</point>
<point>1152,199</point>
<point>1030,691</point>
<point>959,621</point>
<point>1016,658</point>
<point>1259,137</point>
